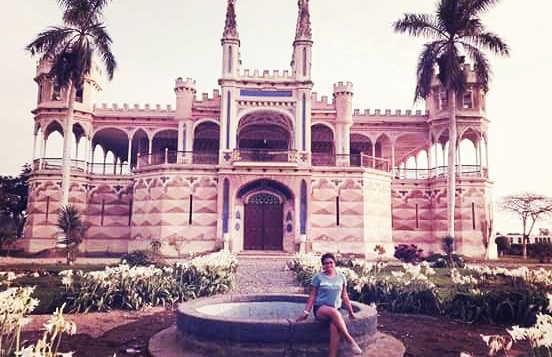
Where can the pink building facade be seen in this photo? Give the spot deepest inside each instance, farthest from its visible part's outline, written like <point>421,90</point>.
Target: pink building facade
<point>261,164</point>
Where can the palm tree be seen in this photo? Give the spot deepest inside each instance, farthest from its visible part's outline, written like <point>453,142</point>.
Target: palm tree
<point>455,32</point>
<point>70,223</point>
<point>71,49</point>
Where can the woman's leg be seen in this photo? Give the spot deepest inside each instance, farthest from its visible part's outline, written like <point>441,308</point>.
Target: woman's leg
<point>331,313</point>
<point>334,340</point>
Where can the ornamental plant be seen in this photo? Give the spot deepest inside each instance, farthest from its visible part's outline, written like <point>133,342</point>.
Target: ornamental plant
<point>136,287</point>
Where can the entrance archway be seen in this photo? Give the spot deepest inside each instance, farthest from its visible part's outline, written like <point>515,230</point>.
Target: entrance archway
<point>264,215</point>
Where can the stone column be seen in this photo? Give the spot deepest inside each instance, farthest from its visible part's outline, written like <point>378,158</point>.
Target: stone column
<point>150,149</point>
<point>180,142</point>
<point>189,147</point>
<point>487,156</point>
<point>374,154</point>
<point>393,157</point>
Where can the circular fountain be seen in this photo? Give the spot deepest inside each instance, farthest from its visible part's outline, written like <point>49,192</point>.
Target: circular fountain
<point>263,325</point>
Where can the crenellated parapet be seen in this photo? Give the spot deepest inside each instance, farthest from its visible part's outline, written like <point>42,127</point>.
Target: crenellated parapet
<point>397,113</point>
<point>343,88</point>
<point>274,75</point>
<point>105,108</point>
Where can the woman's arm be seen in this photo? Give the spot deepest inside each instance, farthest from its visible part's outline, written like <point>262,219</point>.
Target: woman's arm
<point>310,303</point>
<point>347,301</point>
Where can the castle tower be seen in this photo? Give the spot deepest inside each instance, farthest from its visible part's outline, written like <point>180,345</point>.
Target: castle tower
<point>343,101</point>
<point>230,44</point>
<point>302,46</point>
<point>49,93</point>
<point>185,91</point>
<point>229,90</point>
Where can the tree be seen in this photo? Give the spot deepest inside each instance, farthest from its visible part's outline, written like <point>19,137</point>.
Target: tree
<point>456,32</point>
<point>70,223</point>
<point>71,49</point>
<point>13,205</point>
<point>530,208</point>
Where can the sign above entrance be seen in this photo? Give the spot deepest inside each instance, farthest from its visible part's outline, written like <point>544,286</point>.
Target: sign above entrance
<point>265,93</point>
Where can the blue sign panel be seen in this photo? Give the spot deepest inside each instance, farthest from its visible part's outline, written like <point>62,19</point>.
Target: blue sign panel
<point>265,93</point>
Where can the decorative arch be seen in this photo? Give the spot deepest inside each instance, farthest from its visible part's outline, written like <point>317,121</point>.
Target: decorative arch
<point>265,129</point>
<point>53,125</point>
<point>265,184</point>
<point>205,120</point>
<point>322,145</point>
<point>328,125</point>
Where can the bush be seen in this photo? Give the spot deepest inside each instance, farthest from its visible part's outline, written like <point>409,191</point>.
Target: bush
<point>142,258</point>
<point>136,287</point>
<point>408,253</point>
<point>541,250</point>
<point>502,244</point>
<point>440,260</point>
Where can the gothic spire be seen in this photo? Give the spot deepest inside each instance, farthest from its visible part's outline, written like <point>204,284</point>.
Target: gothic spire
<point>230,27</point>
<point>303,31</point>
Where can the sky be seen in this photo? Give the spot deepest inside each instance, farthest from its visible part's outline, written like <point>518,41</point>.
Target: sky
<point>353,41</point>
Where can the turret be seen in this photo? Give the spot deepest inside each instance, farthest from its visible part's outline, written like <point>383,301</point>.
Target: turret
<point>472,100</point>
<point>343,101</point>
<point>230,44</point>
<point>48,92</point>
<point>185,91</point>
<point>302,46</point>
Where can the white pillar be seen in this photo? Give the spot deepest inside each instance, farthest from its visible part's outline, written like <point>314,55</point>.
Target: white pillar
<point>393,158</point>
<point>189,147</point>
<point>180,146</point>
<point>129,155</point>
<point>373,154</point>
<point>487,156</point>
<point>34,146</point>
<point>150,148</point>
<point>416,166</point>
<point>429,163</point>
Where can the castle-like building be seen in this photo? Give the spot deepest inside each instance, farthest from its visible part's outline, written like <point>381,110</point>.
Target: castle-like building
<point>262,164</point>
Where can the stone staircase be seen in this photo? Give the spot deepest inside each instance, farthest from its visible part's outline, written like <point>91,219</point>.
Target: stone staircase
<point>261,272</point>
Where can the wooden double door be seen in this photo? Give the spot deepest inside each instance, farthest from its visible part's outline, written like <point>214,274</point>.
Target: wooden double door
<point>264,214</point>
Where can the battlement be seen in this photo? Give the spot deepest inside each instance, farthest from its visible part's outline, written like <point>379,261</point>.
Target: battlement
<point>390,113</point>
<point>343,88</point>
<point>206,98</point>
<point>146,108</point>
<point>322,102</point>
<point>266,74</point>
<point>188,84</point>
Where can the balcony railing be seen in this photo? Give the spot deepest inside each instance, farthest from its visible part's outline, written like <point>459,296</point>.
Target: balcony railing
<point>440,171</point>
<point>262,155</point>
<point>352,160</point>
<point>55,164</point>
<point>177,157</point>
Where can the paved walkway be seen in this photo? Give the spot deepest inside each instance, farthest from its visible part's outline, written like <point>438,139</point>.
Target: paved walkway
<point>265,275</point>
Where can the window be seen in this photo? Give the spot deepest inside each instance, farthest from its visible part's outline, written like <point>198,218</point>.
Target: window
<point>417,217</point>
<point>443,99</point>
<point>79,95</point>
<point>56,92</point>
<point>467,100</point>
<point>337,210</point>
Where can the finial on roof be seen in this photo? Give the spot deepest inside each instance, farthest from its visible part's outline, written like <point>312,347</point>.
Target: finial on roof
<point>230,27</point>
<point>303,21</point>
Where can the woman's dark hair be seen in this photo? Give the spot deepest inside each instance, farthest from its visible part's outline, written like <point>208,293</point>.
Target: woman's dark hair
<point>327,256</point>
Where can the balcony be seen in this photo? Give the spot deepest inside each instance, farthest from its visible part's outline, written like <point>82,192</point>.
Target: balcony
<point>81,166</point>
<point>352,160</point>
<point>169,157</point>
<point>440,171</point>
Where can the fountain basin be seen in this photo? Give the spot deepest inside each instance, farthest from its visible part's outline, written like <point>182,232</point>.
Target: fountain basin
<point>264,325</point>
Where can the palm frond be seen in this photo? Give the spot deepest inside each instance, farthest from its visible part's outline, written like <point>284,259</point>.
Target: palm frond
<point>49,41</point>
<point>451,69</point>
<point>82,12</point>
<point>103,42</point>
<point>476,7</point>
<point>489,41</point>
<point>449,16</point>
<point>481,64</point>
<point>426,69</point>
<point>418,25</point>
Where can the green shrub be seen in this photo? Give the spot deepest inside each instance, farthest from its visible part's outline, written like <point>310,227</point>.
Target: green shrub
<point>541,250</point>
<point>438,260</point>
<point>136,287</point>
<point>142,258</point>
<point>408,253</point>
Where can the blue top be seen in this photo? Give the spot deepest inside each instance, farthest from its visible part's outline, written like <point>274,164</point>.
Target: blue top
<point>328,289</point>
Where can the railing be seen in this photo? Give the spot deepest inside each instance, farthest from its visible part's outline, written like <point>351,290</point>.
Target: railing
<point>352,160</point>
<point>55,164</point>
<point>440,171</point>
<point>177,157</point>
<point>262,155</point>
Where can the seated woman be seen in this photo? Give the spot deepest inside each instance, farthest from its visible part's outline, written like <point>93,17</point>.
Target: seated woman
<point>328,290</point>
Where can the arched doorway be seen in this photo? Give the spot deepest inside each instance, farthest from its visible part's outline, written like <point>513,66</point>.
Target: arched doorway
<point>264,215</point>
